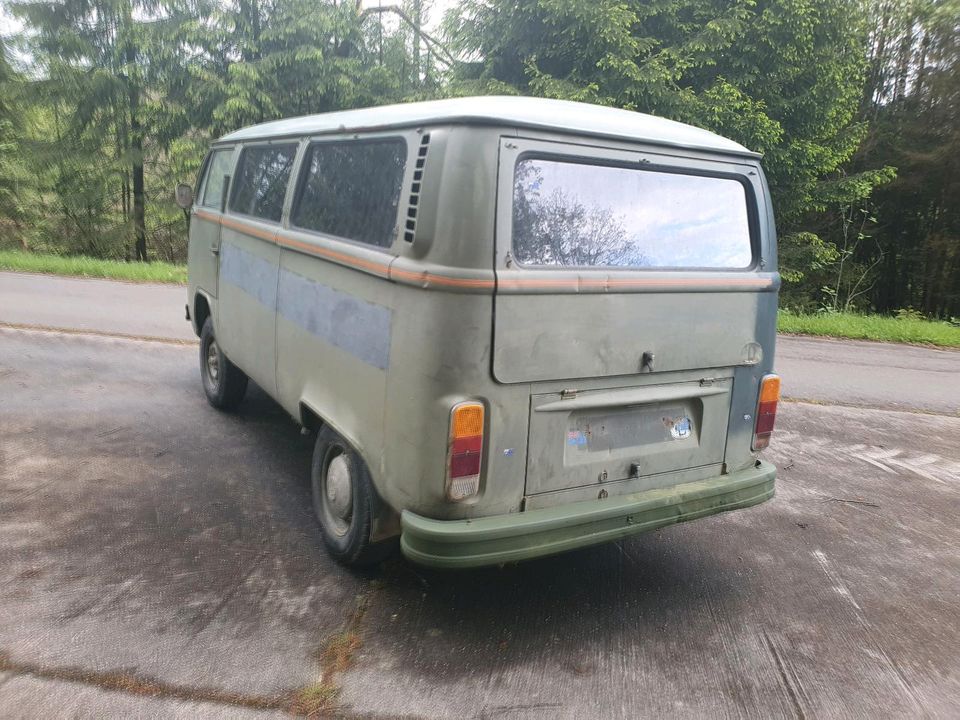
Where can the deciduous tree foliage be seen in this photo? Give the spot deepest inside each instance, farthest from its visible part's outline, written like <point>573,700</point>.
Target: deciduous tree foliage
<point>783,77</point>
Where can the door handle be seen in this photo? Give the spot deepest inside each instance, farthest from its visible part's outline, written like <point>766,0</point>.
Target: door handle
<point>214,250</point>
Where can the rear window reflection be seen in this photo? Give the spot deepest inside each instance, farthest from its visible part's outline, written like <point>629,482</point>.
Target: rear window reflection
<point>579,215</point>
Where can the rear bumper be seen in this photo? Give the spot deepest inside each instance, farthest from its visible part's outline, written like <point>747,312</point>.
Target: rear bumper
<point>521,536</point>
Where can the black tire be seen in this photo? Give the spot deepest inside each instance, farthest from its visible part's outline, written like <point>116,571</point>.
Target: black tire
<point>345,522</point>
<point>224,383</point>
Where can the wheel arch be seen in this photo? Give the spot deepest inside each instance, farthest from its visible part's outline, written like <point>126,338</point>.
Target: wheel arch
<point>202,309</point>
<point>386,521</point>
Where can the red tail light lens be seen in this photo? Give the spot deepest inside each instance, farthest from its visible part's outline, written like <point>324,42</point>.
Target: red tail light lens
<point>766,411</point>
<point>465,451</point>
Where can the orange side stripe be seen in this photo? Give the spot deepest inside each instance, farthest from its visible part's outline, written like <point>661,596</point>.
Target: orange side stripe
<point>371,265</point>
<point>633,282</point>
<point>418,277</point>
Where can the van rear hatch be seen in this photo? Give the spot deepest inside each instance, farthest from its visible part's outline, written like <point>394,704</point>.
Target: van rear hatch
<point>615,268</point>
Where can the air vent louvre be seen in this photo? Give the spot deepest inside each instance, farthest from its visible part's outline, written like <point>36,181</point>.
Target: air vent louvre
<point>411,224</point>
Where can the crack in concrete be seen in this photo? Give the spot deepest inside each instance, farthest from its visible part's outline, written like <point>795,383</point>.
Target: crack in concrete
<point>145,686</point>
<point>336,656</point>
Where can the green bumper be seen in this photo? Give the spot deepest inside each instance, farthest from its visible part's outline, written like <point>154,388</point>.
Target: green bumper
<point>521,536</point>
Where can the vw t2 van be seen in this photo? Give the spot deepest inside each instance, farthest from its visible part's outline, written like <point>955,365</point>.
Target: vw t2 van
<point>517,326</point>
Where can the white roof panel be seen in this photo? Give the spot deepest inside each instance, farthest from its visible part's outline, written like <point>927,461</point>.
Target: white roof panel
<point>556,115</point>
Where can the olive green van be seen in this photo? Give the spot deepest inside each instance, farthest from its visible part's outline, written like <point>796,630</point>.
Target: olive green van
<point>518,326</point>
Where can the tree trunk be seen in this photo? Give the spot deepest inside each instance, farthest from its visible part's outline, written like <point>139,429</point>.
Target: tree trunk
<point>136,152</point>
<point>417,20</point>
<point>139,207</point>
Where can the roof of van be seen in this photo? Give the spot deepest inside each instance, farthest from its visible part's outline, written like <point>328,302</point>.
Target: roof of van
<point>541,113</point>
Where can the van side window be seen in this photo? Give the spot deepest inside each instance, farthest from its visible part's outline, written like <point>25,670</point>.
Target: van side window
<point>578,214</point>
<point>217,168</point>
<point>260,182</point>
<point>352,189</point>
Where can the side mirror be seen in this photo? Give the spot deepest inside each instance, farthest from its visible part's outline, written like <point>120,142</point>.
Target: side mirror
<point>184,196</point>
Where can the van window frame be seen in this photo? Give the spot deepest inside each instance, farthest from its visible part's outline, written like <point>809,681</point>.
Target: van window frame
<point>203,176</point>
<point>201,180</point>
<point>304,171</point>
<point>750,195</point>
<point>296,144</point>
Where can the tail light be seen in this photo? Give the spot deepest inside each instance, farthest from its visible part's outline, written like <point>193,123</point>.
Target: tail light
<point>465,451</point>
<point>766,411</point>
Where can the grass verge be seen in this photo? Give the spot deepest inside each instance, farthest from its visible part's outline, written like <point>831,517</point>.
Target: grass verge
<point>80,266</point>
<point>917,331</point>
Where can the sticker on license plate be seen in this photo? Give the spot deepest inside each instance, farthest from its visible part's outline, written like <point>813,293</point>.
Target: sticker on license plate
<point>680,427</point>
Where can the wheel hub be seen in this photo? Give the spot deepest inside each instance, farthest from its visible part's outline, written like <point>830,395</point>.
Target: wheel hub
<point>213,360</point>
<point>339,492</point>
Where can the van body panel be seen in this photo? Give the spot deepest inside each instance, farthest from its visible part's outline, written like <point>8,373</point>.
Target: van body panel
<point>334,328</point>
<point>247,300</point>
<point>202,253</point>
<point>442,330</point>
<point>203,247</point>
<point>557,117</point>
<point>606,335</point>
<point>609,393</point>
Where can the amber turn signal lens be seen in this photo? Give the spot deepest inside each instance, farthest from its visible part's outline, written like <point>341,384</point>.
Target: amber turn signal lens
<point>464,451</point>
<point>467,420</point>
<point>767,401</point>
<point>770,389</point>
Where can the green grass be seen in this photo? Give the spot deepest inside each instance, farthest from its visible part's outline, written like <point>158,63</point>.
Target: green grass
<point>913,330</point>
<point>80,266</point>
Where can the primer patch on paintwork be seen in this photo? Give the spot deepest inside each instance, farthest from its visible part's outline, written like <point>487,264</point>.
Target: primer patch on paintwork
<point>251,273</point>
<point>354,325</point>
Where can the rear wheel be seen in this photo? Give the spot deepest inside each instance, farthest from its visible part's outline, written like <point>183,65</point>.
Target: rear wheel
<point>344,501</point>
<point>223,382</point>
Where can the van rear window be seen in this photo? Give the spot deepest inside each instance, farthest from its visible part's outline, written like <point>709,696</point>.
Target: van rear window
<point>351,189</point>
<point>574,214</point>
<point>260,182</point>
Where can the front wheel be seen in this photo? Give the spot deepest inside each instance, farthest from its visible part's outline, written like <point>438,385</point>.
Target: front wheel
<point>343,500</point>
<point>223,382</point>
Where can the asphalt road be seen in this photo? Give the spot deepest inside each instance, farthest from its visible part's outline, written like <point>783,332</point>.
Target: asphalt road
<point>870,374</point>
<point>160,559</point>
<point>96,306</point>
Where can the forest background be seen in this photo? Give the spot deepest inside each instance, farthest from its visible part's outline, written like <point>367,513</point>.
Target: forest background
<point>855,104</point>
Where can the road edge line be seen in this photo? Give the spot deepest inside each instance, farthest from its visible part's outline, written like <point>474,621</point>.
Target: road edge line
<point>98,333</point>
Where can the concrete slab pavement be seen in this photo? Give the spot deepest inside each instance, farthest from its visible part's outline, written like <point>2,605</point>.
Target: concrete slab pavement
<point>145,533</point>
<point>146,537</point>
